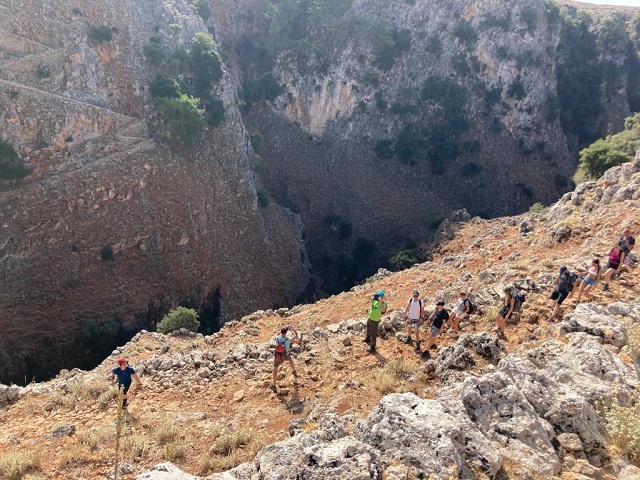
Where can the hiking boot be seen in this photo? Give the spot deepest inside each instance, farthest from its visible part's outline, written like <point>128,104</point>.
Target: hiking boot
<point>124,403</point>
<point>551,319</point>
<point>426,354</point>
<point>417,346</point>
<point>295,374</point>
<point>371,351</point>
<point>605,287</point>
<point>367,340</point>
<point>407,340</point>
<point>272,386</point>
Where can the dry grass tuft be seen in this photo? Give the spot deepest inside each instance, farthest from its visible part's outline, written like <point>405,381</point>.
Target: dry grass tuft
<point>623,428</point>
<point>521,265</point>
<point>166,432</point>
<point>401,367</point>
<point>15,465</point>
<point>175,450</point>
<point>136,445</point>
<point>229,442</point>
<point>382,381</point>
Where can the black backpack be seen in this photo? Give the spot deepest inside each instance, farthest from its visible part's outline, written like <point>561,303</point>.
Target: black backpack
<point>566,282</point>
<point>518,299</point>
<point>472,307</point>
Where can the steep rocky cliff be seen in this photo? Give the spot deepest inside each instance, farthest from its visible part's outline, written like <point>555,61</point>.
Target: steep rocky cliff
<point>393,114</point>
<point>112,228</point>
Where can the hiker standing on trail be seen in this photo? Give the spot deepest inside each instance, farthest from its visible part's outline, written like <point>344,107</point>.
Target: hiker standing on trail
<point>462,310</point>
<point>283,352</point>
<point>122,375</point>
<point>565,284</point>
<point>436,319</point>
<point>508,305</point>
<point>627,244</point>
<point>413,313</point>
<point>590,279</point>
<point>614,265</point>
<point>376,309</point>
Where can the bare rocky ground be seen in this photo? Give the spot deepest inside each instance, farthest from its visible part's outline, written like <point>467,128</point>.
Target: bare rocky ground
<point>524,407</point>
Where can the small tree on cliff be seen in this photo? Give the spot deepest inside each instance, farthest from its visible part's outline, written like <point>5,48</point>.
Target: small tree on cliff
<point>181,117</point>
<point>178,318</point>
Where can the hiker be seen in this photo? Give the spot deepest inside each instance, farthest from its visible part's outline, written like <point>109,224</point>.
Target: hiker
<point>377,308</point>
<point>413,313</point>
<point>122,375</point>
<point>282,353</point>
<point>591,277</point>
<point>565,284</point>
<point>614,265</point>
<point>462,310</point>
<point>437,319</point>
<point>628,244</point>
<point>508,305</point>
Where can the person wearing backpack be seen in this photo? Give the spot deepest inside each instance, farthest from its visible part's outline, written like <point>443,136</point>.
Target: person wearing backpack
<point>436,319</point>
<point>377,307</point>
<point>627,244</point>
<point>463,309</point>
<point>507,308</point>
<point>413,313</point>
<point>282,354</point>
<point>614,265</point>
<point>591,277</point>
<point>565,284</point>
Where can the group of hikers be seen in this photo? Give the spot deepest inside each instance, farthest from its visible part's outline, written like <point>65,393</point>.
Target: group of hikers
<point>564,286</point>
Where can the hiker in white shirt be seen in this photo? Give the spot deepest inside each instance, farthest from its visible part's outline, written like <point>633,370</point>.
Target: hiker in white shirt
<point>413,314</point>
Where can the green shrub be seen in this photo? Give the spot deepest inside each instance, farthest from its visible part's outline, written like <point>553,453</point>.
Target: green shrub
<point>43,71</point>
<point>164,86</point>
<point>201,8</point>
<point>516,90</point>
<point>613,150</point>
<point>106,252</point>
<point>206,63</point>
<point>11,168</point>
<point>100,33</point>
<point>470,169</point>
<point>263,197</point>
<point>181,117</point>
<point>465,32</point>
<point>265,88</point>
<point>256,141</point>
<point>538,208</point>
<point>493,96</point>
<point>389,51</point>
<point>384,148</point>
<point>623,428</point>
<point>153,51</point>
<point>214,112</point>
<point>178,318</point>
<point>405,259</point>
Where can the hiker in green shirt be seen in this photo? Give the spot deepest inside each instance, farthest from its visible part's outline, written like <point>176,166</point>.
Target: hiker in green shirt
<point>377,308</point>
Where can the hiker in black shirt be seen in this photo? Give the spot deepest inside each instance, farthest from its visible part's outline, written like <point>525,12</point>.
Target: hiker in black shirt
<point>565,284</point>
<point>437,319</point>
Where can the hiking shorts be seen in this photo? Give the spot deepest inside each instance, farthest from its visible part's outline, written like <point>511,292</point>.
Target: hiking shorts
<point>559,296</point>
<point>413,321</point>
<point>434,331</point>
<point>613,265</point>
<point>125,387</point>
<point>286,359</point>
<point>504,311</point>
<point>588,281</point>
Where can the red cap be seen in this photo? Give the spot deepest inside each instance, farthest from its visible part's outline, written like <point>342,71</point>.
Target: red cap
<point>121,361</point>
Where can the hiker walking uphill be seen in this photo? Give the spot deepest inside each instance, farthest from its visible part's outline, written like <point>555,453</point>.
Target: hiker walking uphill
<point>437,319</point>
<point>590,279</point>
<point>565,284</point>
<point>508,307</point>
<point>376,309</point>
<point>122,375</point>
<point>413,313</point>
<point>627,244</point>
<point>614,265</point>
<point>463,309</point>
<point>283,353</point>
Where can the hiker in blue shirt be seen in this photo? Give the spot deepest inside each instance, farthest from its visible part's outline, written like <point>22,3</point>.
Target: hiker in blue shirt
<point>122,375</point>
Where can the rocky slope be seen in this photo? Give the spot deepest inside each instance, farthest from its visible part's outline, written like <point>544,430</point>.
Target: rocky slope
<point>180,226</point>
<point>481,407</point>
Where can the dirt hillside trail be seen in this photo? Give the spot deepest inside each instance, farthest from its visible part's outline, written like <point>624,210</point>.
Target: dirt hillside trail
<point>206,404</point>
